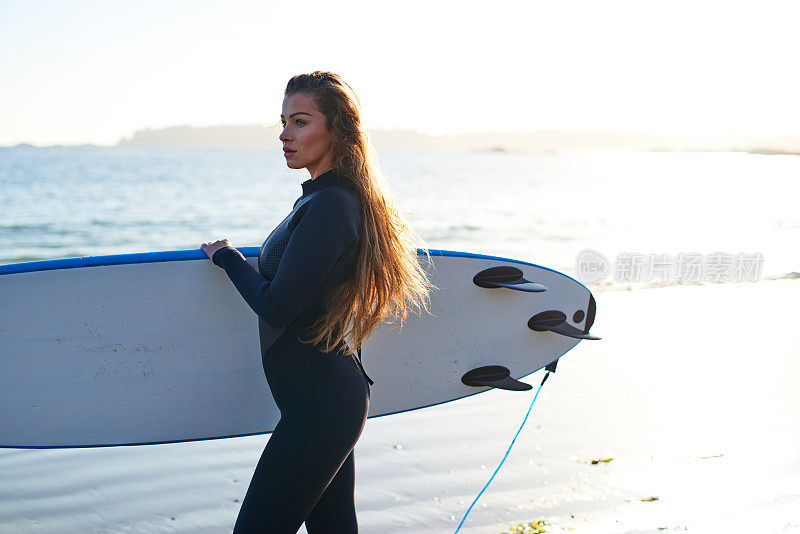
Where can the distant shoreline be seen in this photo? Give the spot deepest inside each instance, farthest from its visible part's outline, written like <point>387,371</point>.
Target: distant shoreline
<point>258,136</point>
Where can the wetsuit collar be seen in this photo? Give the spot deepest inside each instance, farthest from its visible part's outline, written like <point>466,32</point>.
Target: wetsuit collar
<point>315,184</point>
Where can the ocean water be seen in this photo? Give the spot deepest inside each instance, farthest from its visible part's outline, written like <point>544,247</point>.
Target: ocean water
<point>540,207</point>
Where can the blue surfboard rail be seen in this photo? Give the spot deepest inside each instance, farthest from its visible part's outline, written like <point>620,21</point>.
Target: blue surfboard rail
<point>171,441</point>
<point>198,254</point>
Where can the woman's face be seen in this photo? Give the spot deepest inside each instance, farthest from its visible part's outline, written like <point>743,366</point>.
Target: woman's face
<point>307,143</point>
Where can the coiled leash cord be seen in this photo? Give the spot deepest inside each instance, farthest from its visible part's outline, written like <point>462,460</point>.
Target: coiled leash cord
<point>508,451</point>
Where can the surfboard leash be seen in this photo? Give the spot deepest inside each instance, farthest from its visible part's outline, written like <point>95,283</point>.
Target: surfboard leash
<point>550,368</point>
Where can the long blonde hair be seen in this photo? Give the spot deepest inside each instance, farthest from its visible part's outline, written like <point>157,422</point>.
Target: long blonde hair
<point>388,278</point>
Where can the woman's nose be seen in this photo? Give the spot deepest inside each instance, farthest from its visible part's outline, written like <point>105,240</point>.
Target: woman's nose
<point>284,137</point>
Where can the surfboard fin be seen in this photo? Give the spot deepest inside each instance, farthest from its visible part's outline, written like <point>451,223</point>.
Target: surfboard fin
<point>556,321</point>
<point>494,376</point>
<point>505,276</point>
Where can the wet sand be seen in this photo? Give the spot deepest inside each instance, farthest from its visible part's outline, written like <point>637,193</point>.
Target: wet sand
<point>692,391</point>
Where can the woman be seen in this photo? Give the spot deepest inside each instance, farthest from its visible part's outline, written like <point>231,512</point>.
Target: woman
<point>339,264</point>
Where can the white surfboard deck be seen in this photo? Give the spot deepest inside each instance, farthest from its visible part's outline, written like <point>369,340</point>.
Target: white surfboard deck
<point>160,347</point>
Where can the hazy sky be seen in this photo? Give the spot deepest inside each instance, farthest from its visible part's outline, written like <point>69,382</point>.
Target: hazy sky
<point>94,71</point>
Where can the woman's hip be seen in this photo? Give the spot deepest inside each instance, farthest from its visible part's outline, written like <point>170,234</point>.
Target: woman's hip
<point>301,377</point>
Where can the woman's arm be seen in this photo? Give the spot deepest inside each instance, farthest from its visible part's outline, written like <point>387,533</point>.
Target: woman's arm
<point>327,230</point>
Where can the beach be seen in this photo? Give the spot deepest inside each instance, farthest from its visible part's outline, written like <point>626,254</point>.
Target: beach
<point>692,392</point>
<point>649,153</point>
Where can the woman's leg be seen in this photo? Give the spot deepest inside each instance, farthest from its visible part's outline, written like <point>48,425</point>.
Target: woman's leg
<point>305,456</point>
<point>267,506</point>
<point>324,401</point>
<point>335,511</point>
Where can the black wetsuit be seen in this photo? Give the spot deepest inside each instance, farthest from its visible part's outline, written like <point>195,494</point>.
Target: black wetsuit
<point>306,472</point>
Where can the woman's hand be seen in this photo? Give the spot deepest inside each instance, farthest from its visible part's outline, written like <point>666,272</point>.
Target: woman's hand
<point>211,248</point>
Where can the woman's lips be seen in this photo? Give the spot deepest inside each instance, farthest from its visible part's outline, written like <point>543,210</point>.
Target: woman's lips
<point>288,152</point>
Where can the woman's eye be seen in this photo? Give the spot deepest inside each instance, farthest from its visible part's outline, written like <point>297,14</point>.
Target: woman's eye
<point>299,122</point>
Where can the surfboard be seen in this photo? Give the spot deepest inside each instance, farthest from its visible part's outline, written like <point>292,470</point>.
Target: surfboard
<point>159,347</point>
